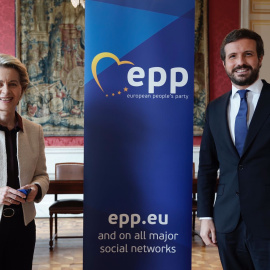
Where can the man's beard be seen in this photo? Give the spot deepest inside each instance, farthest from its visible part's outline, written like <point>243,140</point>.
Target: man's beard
<point>242,81</point>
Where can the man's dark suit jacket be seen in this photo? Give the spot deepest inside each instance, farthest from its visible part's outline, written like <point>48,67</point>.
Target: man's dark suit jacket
<point>244,182</point>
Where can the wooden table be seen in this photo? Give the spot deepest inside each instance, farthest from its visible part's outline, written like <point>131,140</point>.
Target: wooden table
<point>66,187</point>
<point>194,185</point>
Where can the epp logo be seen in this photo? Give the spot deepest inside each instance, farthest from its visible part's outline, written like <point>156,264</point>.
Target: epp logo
<point>136,75</point>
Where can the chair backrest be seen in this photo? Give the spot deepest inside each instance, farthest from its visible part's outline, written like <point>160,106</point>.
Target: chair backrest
<point>69,171</point>
<point>194,185</point>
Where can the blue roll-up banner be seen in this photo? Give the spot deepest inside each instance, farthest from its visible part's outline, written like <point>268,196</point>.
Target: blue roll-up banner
<point>139,83</point>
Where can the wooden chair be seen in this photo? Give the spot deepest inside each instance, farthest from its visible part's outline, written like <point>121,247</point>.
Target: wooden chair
<point>194,199</point>
<point>194,206</point>
<point>194,203</point>
<point>65,171</point>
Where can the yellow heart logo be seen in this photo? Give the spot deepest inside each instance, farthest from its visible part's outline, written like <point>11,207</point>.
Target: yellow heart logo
<point>101,56</point>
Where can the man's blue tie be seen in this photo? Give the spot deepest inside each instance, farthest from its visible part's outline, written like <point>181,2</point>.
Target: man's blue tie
<point>241,128</point>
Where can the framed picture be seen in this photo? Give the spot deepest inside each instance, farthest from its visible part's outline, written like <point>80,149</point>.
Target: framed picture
<point>50,42</point>
<point>201,83</point>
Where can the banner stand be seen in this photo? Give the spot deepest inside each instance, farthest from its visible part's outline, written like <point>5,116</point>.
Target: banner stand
<point>139,65</point>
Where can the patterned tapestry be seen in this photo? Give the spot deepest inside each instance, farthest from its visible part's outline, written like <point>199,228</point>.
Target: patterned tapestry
<point>50,42</point>
<point>201,88</point>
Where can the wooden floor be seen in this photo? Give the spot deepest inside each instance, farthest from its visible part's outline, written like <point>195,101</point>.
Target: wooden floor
<point>204,257</point>
<point>68,253</point>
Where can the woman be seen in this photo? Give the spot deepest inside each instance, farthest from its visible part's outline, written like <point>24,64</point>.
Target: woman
<point>23,166</point>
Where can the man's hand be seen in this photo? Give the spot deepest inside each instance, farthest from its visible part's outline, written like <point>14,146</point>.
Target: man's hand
<point>208,232</point>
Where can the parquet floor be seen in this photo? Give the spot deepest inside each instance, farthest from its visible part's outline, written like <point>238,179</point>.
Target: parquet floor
<point>68,253</point>
<point>203,257</point>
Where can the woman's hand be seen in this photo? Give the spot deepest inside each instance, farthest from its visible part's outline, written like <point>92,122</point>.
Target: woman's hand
<point>10,196</point>
<point>33,193</point>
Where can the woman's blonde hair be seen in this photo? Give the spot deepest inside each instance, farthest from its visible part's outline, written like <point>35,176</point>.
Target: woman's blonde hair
<point>9,61</point>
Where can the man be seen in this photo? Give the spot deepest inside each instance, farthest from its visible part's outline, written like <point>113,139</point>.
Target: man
<point>236,141</point>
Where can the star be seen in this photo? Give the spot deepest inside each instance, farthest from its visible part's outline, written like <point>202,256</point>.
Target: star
<point>125,89</point>
<point>119,92</point>
<point>107,95</point>
<point>113,94</point>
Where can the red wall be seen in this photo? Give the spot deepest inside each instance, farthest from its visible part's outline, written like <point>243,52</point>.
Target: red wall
<point>7,27</point>
<point>224,16</point>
